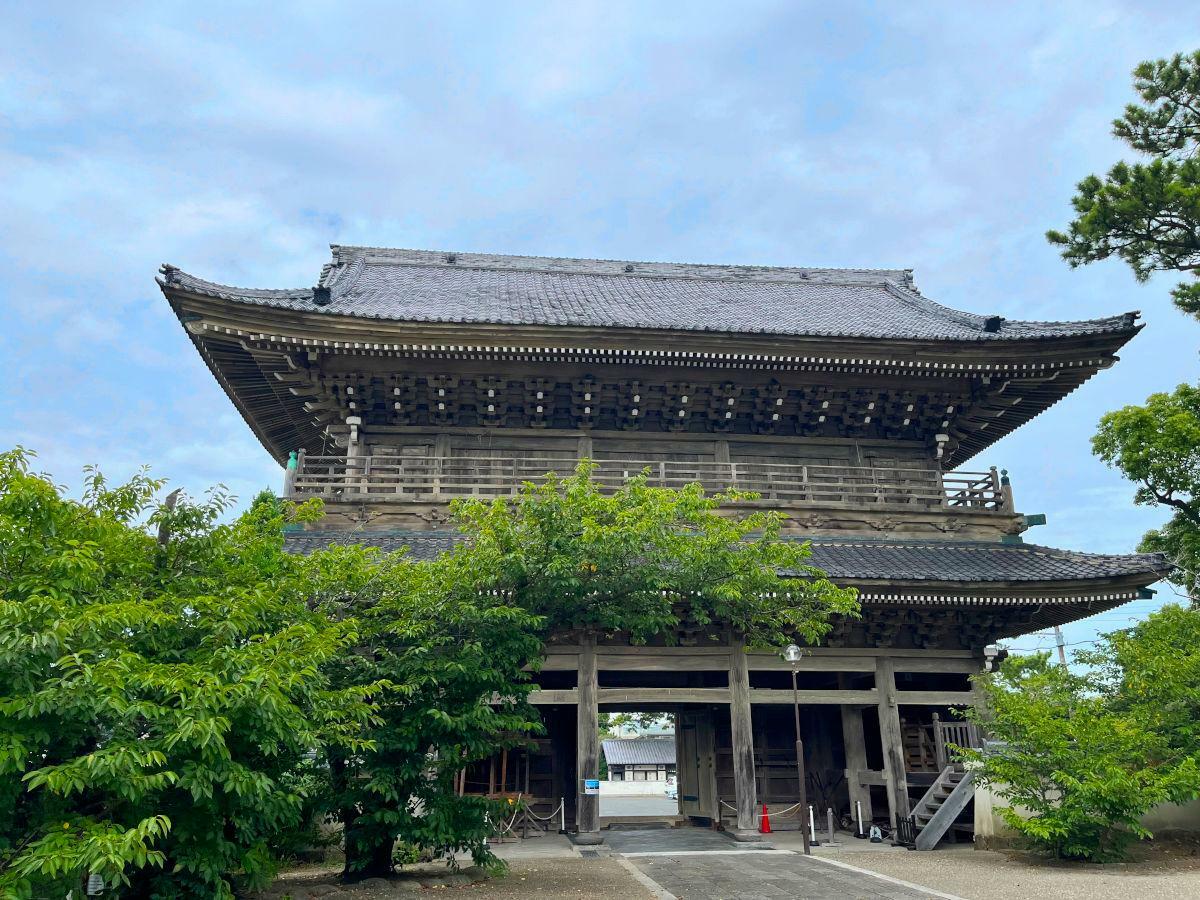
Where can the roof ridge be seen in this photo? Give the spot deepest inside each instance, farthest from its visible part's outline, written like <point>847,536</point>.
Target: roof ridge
<point>344,253</point>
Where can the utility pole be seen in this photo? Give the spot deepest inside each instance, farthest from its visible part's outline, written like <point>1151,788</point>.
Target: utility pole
<point>1062,653</point>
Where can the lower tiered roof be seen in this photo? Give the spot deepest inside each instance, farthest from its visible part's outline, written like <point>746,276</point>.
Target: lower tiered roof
<point>1049,586</point>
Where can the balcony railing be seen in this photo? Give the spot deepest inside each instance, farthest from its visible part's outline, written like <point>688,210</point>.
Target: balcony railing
<point>439,478</point>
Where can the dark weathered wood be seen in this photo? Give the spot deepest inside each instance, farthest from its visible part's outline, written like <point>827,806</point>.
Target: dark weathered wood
<point>743,739</point>
<point>815,697</point>
<point>855,743</point>
<point>587,813</point>
<point>663,695</point>
<point>935,698</point>
<point>892,739</point>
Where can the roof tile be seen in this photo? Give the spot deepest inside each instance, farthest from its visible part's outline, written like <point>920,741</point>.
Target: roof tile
<point>424,286</point>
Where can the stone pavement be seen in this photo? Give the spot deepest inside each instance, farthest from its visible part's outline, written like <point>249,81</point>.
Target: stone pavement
<point>766,875</point>
<point>699,864</point>
<point>661,840</point>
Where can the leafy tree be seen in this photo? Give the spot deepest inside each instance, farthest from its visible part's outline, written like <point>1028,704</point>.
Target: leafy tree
<point>1148,214</point>
<point>1158,447</point>
<point>155,695</point>
<point>451,655</point>
<point>453,638</point>
<point>647,562</point>
<point>1081,754</point>
<point>1151,673</point>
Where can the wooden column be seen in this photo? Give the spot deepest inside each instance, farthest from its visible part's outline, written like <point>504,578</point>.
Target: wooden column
<point>587,810</point>
<point>855,743</point>
<point>743,741</point>
<point>892,739</point>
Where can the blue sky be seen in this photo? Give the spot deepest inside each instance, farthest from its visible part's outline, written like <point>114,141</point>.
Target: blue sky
<point>238,143</point>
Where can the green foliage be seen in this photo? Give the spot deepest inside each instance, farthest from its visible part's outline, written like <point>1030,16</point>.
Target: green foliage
<point>452,657</point>
<point>180,699</point>
<point>1148,214</point>
<point>644,561</point>
<point>1081,755</point>
<point>1158,447</point>
<point>155,695</point>
<point>452,635</point>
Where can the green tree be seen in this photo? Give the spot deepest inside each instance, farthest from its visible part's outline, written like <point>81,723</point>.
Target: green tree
<point>455,638</point>
<point>649,562</point>
<point>156,695</point>
<point>1158,447</point>
<point>1148,213</point>
<point>1081,754</point>
<point>451,655</point>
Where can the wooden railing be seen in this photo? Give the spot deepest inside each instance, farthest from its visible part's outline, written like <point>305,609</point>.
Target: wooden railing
<point>958,734</point>
<point>436,478</point>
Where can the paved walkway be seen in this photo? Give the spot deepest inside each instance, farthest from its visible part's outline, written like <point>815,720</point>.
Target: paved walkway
<point>698,864</point>
<point>767,875</point>
<point>669,840</point>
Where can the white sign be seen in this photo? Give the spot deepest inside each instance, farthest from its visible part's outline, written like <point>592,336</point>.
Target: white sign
<point>591,786</point>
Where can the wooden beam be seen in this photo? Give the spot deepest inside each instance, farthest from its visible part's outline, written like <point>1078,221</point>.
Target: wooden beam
<point>548,698</point>
<point>587,736</point>
<point>870,777</point>
<point>892,739</point>
<point>854,741</point>
<point>831,697</point>
<point>935,698</point>
<point>743,741</point>
<point>664,695</point>
<point>560,662</point>
<point>959,666</point>
<point>653,661</point>
<point>759,662</point>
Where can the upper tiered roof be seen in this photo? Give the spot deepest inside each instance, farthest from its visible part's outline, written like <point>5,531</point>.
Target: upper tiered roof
<point>917,369</point>
<point>473,288</point>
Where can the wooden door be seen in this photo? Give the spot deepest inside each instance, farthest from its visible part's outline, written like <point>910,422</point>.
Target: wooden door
<point>696,764</point>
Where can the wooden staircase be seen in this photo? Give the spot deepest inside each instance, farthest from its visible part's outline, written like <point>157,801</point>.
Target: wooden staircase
<point>935,813</point>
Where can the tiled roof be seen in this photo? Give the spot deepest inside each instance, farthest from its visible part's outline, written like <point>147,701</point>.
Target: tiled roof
<point>438,287</point>
<point>640,751</point>
<point>853,560</point>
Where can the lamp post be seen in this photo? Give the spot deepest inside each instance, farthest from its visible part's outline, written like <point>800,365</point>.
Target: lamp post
<point>792,654</point>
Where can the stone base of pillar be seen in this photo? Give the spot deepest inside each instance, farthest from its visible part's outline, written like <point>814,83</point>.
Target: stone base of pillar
<point>745,836</point>
<point>587,838</point>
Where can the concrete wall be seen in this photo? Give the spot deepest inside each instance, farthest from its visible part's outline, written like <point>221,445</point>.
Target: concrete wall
<point>634,788</point>
<point>992,831</point>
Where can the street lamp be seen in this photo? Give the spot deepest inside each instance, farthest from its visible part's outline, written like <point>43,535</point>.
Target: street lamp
<point>792,654</point>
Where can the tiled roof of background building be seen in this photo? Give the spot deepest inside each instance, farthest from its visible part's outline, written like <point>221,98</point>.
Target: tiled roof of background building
<point>438,287</point>
<point>849,559</point>
<point>640,751</point>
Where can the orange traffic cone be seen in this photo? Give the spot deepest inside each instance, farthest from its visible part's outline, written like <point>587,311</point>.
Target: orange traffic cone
<point>765,827</point>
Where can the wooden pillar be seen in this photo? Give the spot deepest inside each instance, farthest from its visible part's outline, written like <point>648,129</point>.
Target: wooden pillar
<point>855,743</point>
<point>587,809</point>
<point>892,738</point>
<point>743,741</point>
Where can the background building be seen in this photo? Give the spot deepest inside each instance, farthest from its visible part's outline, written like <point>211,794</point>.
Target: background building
<point>639,758</point>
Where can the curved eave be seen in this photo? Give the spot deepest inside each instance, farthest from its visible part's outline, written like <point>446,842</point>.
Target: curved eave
<point>276,302</point>
<point>244,342</point>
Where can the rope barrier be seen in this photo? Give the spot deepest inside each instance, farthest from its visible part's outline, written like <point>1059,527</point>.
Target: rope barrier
<point>516,813</point>
<point>553,813</point>
<point>783,813</point>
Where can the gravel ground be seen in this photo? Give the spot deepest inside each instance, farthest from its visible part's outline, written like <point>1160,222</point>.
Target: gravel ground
<point>557,879</point>
<point>1164,872</point>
